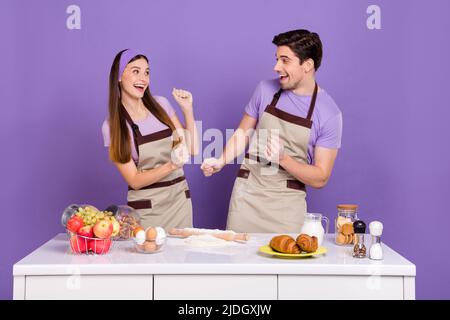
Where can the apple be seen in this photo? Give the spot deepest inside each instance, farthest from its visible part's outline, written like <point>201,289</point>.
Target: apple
<point>78,244</point>
<point>116,228</point>
<point>86,231</point>
<point>74,224</point>
<point>100,246</point>
<point>103,229</point>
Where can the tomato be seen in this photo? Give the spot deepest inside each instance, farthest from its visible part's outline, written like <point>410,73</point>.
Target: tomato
<point>74,224</point>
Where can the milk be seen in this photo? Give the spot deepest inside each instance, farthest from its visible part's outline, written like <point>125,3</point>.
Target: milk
<point>313,226</point>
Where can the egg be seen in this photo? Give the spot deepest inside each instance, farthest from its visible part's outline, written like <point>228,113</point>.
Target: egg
<point>149,246</point>
<point>136,230</point>
<point>151,233</point>
<point>140,237</point>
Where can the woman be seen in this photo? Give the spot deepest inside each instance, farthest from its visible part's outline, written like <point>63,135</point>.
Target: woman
<point>148,144</point>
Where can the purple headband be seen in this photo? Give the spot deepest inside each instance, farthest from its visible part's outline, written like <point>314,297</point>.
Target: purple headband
<point>125,58</point>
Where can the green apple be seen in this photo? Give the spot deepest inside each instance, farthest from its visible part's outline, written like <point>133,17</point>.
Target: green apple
<point>116,227</point>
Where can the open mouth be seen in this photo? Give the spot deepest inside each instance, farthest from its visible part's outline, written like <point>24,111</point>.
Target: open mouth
<point>140,87</point>
<point>284,78</point>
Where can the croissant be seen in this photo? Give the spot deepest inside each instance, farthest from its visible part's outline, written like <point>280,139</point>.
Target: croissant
<point>307,243</point>
<point>284,244</point>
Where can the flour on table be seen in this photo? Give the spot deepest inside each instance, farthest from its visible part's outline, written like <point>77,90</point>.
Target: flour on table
<point>205,240</point>
<point>207,231</point>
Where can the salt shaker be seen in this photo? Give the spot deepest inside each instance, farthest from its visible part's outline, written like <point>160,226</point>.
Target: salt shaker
<point>359,250</point>
<point>376,251</point>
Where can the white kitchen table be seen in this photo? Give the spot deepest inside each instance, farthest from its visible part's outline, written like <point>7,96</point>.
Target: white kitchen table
<point>236,271</point>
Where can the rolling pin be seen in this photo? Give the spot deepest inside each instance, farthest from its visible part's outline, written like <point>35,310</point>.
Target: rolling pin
<point>221,234</point>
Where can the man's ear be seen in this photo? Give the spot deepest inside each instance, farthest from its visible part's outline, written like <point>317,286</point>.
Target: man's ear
<point>308,65</point>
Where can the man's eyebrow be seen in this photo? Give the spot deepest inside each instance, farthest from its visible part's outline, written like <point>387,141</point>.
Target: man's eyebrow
<point>283,56</point>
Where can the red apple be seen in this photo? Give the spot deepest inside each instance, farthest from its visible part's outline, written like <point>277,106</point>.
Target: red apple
<point>103,229</point>
<point>100,246</point>
<point>79,244</point>
<point>74,224</point>
<point>86,231</point>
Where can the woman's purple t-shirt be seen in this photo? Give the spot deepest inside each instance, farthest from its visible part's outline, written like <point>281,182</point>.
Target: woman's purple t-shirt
<point>147,126</point>
<point>326,130</point>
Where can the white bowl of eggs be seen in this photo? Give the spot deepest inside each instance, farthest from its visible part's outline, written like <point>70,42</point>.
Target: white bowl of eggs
<point>150,240</point>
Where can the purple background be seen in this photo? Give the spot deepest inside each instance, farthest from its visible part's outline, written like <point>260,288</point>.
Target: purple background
<point>391,85</point>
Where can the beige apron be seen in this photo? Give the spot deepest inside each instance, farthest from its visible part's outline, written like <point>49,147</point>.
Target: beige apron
<point>265,197</point>
<point>166,203</point>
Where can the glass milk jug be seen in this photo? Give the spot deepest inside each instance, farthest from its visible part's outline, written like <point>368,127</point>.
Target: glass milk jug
<point>313,226</point>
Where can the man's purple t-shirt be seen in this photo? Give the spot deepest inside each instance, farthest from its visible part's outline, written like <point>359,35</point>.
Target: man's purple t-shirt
<point>147,126</point>
<point>326,130</point>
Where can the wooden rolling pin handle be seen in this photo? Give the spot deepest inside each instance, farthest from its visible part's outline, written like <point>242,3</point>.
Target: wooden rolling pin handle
<point>231,236</point>
<point>184,233</point>
<point>176,232</point>
<point>241,236</point>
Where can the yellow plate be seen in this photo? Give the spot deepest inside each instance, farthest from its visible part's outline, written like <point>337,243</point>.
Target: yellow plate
<point>269,250</point>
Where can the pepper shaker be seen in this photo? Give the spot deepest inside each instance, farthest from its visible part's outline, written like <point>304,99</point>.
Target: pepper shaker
<point>359,250</point>
<point>376,251</point>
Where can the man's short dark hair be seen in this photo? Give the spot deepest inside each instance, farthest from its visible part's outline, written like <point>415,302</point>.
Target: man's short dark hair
<point>305,45</point>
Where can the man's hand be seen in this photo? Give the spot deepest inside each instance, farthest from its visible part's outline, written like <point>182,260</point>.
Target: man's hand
<point>211,166</point>
<point>274,150</point>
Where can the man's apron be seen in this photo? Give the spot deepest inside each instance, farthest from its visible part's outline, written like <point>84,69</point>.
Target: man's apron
<point>265,197</point>
<point>166,203</point>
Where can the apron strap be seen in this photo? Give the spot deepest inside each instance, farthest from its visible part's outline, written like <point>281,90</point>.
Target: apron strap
<point>134,127</point>
<point>313,102</point>
<point>276,96</point>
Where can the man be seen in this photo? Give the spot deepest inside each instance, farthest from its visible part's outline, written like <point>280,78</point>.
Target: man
<point>298,130</point>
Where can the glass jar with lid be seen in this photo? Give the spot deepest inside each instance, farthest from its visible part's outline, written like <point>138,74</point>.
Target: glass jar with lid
<point>344,233</point>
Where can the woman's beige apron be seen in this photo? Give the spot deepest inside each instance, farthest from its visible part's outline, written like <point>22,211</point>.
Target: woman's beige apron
<point>166,203</point>
<point>265,197</point>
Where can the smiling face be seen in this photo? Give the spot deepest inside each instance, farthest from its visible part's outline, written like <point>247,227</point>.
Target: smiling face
<point>289,68</point>
<point>135,78</point>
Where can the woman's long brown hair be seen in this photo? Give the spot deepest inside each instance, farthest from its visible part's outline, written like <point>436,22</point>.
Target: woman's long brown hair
<point>120,149</point>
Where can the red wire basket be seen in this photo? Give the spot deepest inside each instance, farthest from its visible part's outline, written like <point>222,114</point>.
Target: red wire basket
<point>86,245</point>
